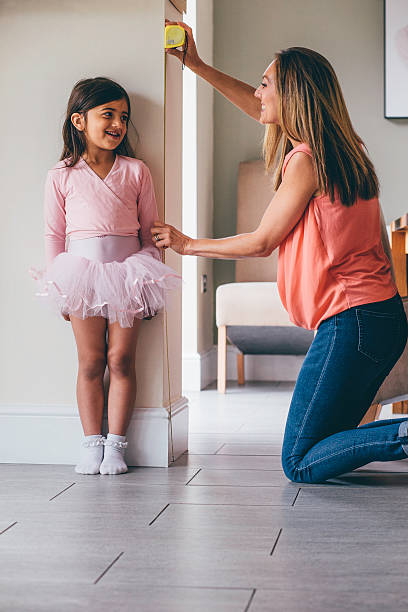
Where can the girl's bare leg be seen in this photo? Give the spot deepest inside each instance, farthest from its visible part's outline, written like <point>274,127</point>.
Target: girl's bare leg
<point>121,363</point>
<point>90,336</point>
<point>122,393</point>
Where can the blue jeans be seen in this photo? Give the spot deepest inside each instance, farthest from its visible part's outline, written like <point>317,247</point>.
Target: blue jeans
<point>349,358</point>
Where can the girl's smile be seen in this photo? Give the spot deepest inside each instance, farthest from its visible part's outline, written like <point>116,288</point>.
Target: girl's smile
<point>113,134</point>
<point>105,126</point>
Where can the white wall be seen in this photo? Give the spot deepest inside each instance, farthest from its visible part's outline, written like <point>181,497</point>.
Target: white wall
<point>350,34</point>
<point>45,47</point>
<point>205,161</point>
<point>172,213</point>
<point>197,198</point>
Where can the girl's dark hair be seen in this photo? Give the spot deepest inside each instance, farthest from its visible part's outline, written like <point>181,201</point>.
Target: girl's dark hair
<point>85,95</point>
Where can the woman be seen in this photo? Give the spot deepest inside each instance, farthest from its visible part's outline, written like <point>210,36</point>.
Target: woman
<point>333,276</point>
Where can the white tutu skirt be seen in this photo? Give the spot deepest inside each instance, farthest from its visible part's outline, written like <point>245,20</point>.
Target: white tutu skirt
<point>106,277</point>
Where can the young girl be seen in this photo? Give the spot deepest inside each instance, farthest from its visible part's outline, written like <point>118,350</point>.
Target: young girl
<point>110,276</point>
<point>334,274</point>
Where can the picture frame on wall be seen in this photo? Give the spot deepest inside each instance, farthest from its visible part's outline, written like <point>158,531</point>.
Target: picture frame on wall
<point>396,59</point>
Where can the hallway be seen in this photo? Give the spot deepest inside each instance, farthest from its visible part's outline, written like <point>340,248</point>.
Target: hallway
<point>221,529</point>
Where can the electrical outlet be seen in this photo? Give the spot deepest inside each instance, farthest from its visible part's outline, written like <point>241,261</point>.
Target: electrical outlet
<point>203,283</point>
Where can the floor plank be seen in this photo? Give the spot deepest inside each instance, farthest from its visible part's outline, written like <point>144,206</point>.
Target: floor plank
<point>222,529</point>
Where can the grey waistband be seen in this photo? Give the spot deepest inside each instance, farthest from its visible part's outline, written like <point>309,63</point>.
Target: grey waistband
<point>105,248</point>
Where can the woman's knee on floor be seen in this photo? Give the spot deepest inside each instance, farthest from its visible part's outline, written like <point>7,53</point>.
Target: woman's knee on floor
<point>292,470</point>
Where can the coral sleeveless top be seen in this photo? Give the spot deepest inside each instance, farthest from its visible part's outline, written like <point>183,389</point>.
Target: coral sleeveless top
<point>332,259</point>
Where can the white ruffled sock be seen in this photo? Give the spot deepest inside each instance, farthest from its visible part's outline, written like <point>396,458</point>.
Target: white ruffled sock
<point>91,455</point>
<point>113,461</point>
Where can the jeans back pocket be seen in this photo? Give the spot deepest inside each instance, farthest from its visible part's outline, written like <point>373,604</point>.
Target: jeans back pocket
<point>378,334</point>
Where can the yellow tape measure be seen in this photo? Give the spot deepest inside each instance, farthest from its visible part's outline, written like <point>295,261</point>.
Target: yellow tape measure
<point>174,36</point>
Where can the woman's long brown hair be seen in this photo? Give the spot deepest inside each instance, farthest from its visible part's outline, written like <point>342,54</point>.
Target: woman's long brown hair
<point>312,111</point>
<point>85,95</point>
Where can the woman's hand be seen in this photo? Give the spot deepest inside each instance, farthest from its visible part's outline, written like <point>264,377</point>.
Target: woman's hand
<point>192,59</point>
<point>165,235</point>
<point>66,317</point>
<point>283,213</point>
<point>239,93</point>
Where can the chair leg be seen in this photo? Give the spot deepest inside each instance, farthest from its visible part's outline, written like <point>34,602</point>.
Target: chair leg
<point>241,368</point>
<point>222,359</point>
<point>400,407</point>
<point>372,414</point>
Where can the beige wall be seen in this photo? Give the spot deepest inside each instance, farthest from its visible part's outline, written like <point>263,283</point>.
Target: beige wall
<point>350,34</point>
<point>198,187</point>
<point>205,120</point>
<point>45,47</point>
<point>172,213</point>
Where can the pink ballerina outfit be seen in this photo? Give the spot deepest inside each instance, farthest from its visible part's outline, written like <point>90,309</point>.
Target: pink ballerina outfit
<point>110,267</point>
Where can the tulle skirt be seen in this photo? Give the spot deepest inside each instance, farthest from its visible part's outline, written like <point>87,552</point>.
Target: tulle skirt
<point>106,276</point>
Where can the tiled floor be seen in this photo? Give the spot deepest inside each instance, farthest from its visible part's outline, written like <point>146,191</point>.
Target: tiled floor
<point>221,530</point>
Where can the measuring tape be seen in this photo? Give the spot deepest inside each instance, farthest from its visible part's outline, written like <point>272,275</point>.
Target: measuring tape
<point>174,36</point>
<point>166,337</point>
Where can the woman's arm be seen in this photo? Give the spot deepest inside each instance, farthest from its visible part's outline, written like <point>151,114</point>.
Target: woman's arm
<point>239,93</point>
<point>284,211</point>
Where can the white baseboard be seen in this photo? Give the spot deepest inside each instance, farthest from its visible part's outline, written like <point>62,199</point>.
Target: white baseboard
<point>52,435</point>
<point>154,439</point>
<point>199,370</point>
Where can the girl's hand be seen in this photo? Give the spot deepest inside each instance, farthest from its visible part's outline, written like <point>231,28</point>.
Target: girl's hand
<point>164,235</point>
<point>66,317</point>
<point>192,59</point>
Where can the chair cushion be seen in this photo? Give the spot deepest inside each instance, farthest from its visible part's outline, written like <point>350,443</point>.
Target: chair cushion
<point>261,340</point>
<point>250,304</point>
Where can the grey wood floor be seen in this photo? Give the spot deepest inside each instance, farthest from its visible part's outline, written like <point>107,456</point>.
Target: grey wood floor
<point>221,529</point>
